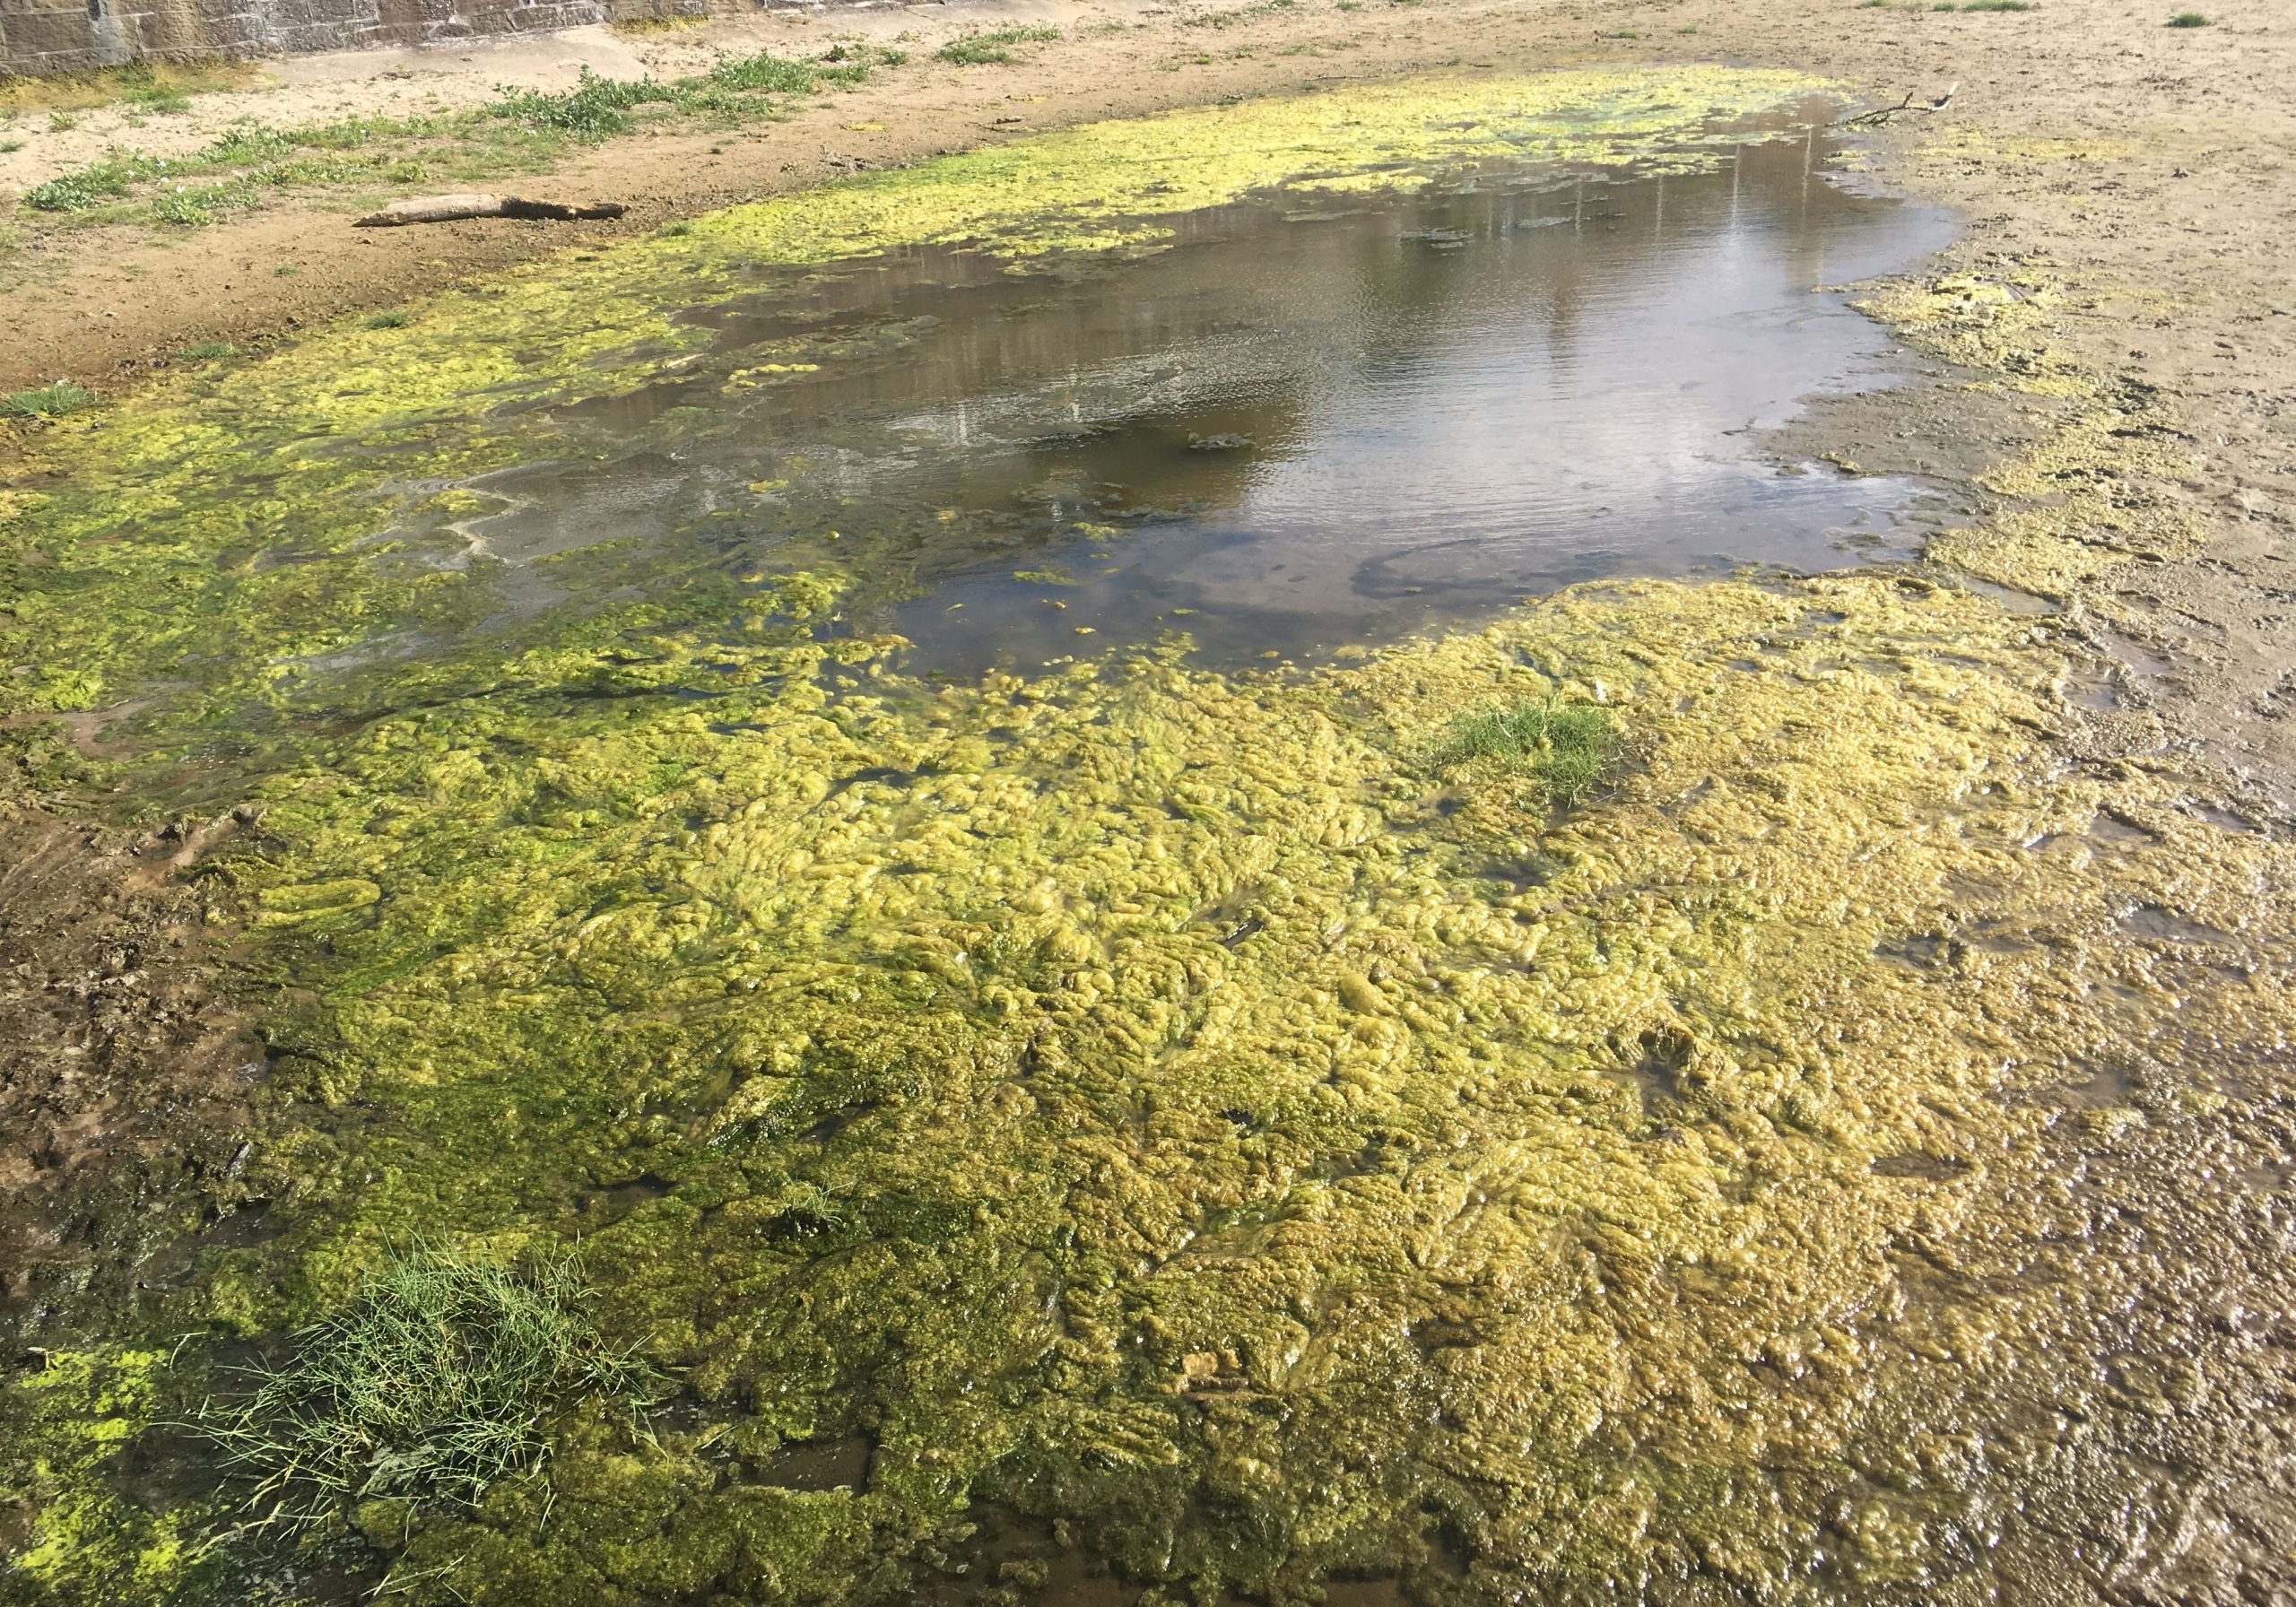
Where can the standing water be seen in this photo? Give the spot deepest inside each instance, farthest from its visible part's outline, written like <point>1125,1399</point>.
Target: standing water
<point>1304,423</point>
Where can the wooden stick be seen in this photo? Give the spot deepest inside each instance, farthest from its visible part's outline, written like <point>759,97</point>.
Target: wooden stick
<point>1882,114</point>
<point>450,209</point>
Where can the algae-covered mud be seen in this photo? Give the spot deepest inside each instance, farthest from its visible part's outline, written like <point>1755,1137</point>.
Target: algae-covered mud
<point>1129,1128</point>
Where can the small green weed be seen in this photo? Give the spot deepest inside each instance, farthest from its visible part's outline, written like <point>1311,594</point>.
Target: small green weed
<point>1242,13</point>
<point>1564,746</point>
<point>1999,5</point>
<point>140,83</point>
<point>62,122</point>
<point>593,109</point>
<point>10,147</point>
<point>432,1388</point>
<point>982,50</point>
<point>52,401</point>
<point>393,319</point>
<point>210,352</point>
<point>158,97</point>
<point>97,181</point>
<point>190,205</point>
<point>638,28</point>
<point>2188,19</point>
<point>765,71</point>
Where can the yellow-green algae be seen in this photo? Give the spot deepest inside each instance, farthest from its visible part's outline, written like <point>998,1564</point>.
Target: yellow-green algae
<point>1139,1100</point>
<point>68,1421</point>
<point>2077,513</point>
<point>1126,1093</point>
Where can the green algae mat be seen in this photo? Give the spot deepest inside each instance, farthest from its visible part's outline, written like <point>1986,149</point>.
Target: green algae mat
<point>747,1124</point>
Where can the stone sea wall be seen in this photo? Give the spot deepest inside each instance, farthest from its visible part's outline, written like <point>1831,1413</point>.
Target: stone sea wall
<point>72,36</point>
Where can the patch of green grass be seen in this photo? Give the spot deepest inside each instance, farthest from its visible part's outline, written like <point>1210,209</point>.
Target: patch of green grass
<point>638,28</point>
<point>594,107</point>
<point>62,122</point>
<point>10,147</point>
<point>393,319</point>
<point>210,352</point>
<point>1242,13</point>
<point>1999,5</point>
<point>1564,746</point>
<point>52,401</point>
<point>432,1388</point>
<point>521,131</point>
<point>189,204</point>
<point>159,99</point>
<point>97,181</point>
<point>2188,19</point>
<point>982,50</point>
<point>157,87</point>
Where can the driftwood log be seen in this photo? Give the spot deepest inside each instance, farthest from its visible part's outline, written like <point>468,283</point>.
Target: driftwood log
<point>449,209</point>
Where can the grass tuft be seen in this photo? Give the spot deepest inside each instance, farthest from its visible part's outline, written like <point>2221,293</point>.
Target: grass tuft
<point>1564,746</point>
<point>1242,13</point>
<point>432,1388</point>
<point>164,87</point>
<point>393,319</point>
<point>1999,5</point>
<point>639,27</point>
<point>210,352</point>
<point>52,401</point>
<point>981,50</point>
<point>593,109</point>
<point>2188,19</point>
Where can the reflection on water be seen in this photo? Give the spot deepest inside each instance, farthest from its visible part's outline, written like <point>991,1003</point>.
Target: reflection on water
<point>1296,427</point>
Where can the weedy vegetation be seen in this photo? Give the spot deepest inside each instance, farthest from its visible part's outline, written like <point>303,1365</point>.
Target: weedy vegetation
<point>518,131</point>
<point>1565,747</point>
<point>984,50</point>
<point>1242,13</point>
<point>433,1386</point>
<point>393,319</point>
<point>638,28</point>
<point>2188,19</point>
<point>161,87</point>
<point>52,401</point>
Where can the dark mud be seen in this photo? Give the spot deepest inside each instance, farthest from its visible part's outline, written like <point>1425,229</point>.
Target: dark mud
<point>128,1075</point>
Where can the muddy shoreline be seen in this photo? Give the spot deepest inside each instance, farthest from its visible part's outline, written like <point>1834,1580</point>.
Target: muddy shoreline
<point>2143,158</point>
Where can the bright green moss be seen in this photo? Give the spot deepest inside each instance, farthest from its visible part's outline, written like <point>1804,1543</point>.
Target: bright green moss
<point>80,1536</point>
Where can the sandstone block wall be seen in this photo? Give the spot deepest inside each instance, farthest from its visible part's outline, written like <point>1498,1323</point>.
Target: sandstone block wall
<point>73,36</point>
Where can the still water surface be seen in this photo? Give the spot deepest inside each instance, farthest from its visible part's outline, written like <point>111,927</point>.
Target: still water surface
<point>1303,423</point>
